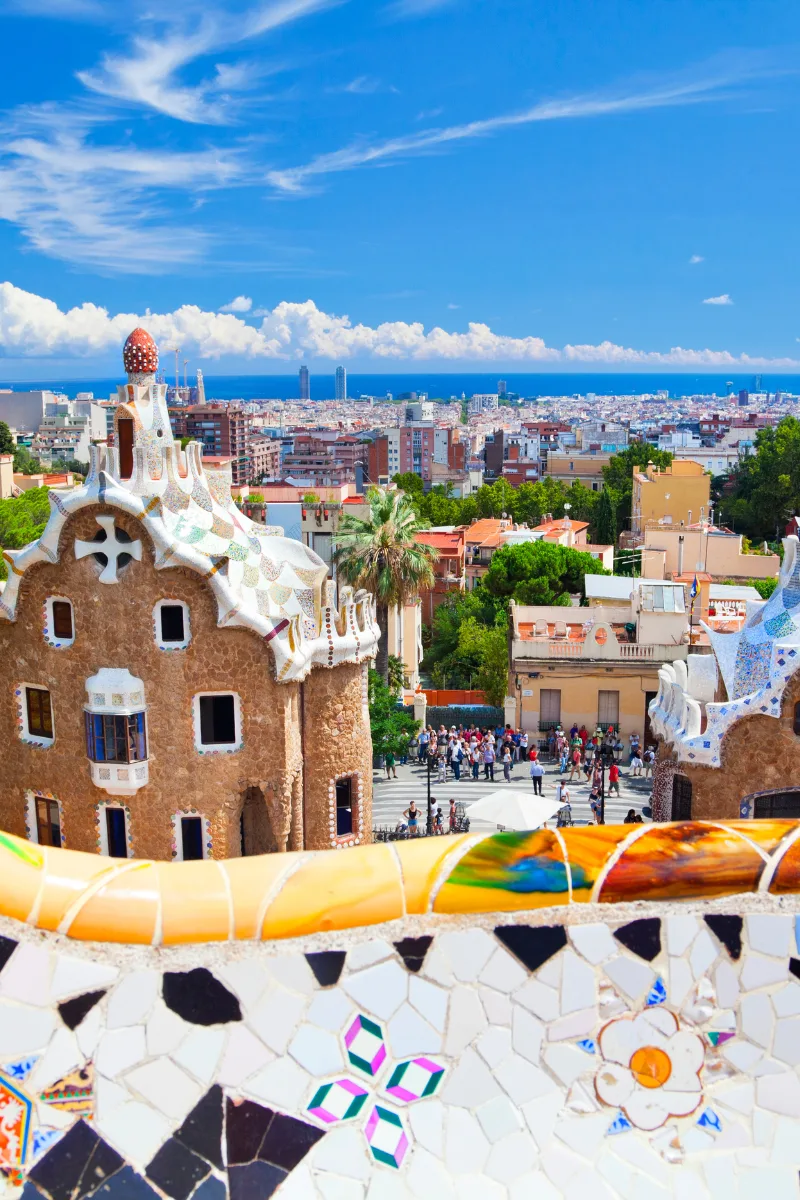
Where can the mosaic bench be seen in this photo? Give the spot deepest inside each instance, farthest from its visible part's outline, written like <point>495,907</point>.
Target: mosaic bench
<point>611,1011</point>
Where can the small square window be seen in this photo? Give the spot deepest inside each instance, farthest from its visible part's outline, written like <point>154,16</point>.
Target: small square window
<point>171,619</point>
<point>191,838</point>
<point>217,721</point>
<point>116,832</point>
<point>344,807</point>
<point>48,821</point>
<point>62,619</point>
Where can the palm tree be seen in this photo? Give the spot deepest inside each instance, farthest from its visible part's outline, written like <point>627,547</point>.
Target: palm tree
<point>379,553</point>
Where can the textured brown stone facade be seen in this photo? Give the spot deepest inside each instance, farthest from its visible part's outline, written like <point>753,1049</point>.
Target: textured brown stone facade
<point>260,790</point>
<point>758,754</point>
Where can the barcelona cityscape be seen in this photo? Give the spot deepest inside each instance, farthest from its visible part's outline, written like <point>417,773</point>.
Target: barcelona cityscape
<point>399,601</point>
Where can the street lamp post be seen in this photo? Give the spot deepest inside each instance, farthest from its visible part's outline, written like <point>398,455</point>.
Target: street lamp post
<point>603,757</point>
<point>429,822</point>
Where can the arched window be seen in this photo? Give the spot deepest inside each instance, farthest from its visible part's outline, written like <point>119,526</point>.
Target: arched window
<point>681,798</point>
<point>125,441</point>
<point>797,719</point>
<point>775,805</point>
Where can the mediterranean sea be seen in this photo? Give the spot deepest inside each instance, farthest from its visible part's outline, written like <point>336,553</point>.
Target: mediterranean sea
<point>440,385</point>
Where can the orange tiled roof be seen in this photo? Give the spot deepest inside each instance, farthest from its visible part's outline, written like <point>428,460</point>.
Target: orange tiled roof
<point>453,542</point>
<point>485,532</point>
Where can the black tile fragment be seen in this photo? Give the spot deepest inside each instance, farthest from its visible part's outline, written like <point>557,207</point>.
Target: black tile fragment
<point>642,937</point>
<point>76,1165</point>
<point>327,966</point>
<point>413,951</point>
<point>73,1011</point>
<point>200,998</point>
<point>729,932</point>
<point>245,1126</point>
<point>533,945</point>
<point>287,1141</point>
<point>212,1189</point>
<point>177,1170</point>
<point>7,948</point>
<point>794,967</point>
<point>256,1181</point>
<point>202,1129</point>
<point>126,1185</point>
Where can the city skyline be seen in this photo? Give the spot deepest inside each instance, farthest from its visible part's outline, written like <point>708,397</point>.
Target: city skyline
<point>191,173</point>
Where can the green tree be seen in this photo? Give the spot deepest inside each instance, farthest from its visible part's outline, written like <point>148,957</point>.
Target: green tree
<point>380,553</point>
<point>604,523</point>
<point>25,463</point>
<point>392,727</point>
<point>7,445</point>
<point>764,488</point>
<point>539,573</point>
<point>489,649</point>
<point>409,483</point>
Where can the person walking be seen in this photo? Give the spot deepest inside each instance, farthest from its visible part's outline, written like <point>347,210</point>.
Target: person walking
<point>389,760</point>
<point>562,794</point>
<point>508,759</point>
<point>537,771</point>
<point>475,760</point>
<point>488,760</point>
<point>422,744</point>
<point>636,763</point>
<point>648,758</point>
<point>452,816</point>
<point>575,768</point>
<point>595,804</point>
<point>441,766</point>
<point>456,758</point>
<point>523,745</point>
<point>613,779</point>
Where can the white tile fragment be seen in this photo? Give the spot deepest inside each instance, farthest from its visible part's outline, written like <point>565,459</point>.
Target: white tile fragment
<point>165,1030</point>
<point>468,952</point>
<point>567,1062</point>
<point>727,984</point>
<point>132,999</point>
<point>276,1017</point>
<point>680,932</point>
<point>527,1034</point>
<point>334,1187</point>
<point>578,987</point>
<point>594,942</point>
<point>119,1050</point>
<point>494,1045</point>
<point>631,976</point>
<point>62,1055</point>
<point>533,1185</point>
<point>90,1031</point>
<point>164,1086</point>
<point>26,976</point>
<point>73,976</point>
<point>246,978</point>
<point>200,1052</point>
<point>466,1146</point>
<point>330,1009</point>
<point>318,1050</point>
<point>342,1151</point>
<point>410,1034</point>
<point>542,1113</point>
<point>511,1157</point>
<point>498,1118</point>
<point>496,1005</point>
<point>379,990</point>
<point>244,1055</point>
<point>470,1083</point>
<point>759,972</point>
<point>770,933</point>
<point>704,952</point>
<point>757,1018</point>
<point>503,972</point>
<point>576,1025</point>
<point>786,1047</point>
<point>281,1083</point>
<point>584,1134</point>
<point>467,1020</point>
<point>779,1093</point>
<point>427,1125</point>
<point>293,971</point>
<point>786,1000</point>
<point>136,1130</point>
<point>679,980</point>
<point>428,1178</point>
<point>539,999</point>
<point>520,1080</point>
<point>429,1000</point>
<point>366,954</point>
<point>24,1030</point>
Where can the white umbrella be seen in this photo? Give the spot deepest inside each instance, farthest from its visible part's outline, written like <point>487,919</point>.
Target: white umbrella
<point>513,810</point>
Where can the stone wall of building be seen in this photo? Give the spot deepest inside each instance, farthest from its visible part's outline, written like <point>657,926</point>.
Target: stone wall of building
<point>336,745</point>
<point>114,627</point>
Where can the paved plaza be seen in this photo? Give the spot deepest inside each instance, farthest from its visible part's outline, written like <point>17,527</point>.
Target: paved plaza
<point>392,797</point>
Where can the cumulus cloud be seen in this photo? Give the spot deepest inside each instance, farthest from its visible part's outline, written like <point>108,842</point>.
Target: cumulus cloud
<point>239,304</point>
<point>34,326</point>
<point>723,299</point>
<point>696,258</point>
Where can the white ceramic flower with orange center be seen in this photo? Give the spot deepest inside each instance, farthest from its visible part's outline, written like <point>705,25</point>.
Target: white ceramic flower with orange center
<point>651,1068</point>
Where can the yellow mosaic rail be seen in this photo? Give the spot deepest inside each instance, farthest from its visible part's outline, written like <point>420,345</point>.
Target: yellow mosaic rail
<point>287,895</point>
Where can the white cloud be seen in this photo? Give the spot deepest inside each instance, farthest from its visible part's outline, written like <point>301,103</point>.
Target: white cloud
<point>32,326</point>
<point>696,258</point>
<point>148,73</point>
<point>454,306</point>
<point>96,204</point>
<point>416,8</point>
<point>678,92</point>
<point>239,304</point>
<point>723,299</point>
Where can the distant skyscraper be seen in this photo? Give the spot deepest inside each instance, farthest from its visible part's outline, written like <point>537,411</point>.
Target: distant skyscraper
<point>305,384</point>
<point>341,383</point>
<point>502,388</point>
<point>756,383</point>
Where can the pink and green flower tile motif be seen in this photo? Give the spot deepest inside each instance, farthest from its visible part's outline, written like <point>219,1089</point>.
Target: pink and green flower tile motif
<point>404,1083</point>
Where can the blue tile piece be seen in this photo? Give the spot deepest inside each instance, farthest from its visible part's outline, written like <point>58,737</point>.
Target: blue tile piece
<point>706,745</point>
<point>710,1119</point>
<point>590,1045</point>
<point>20,1069</point>
<point>620,1125</point>
<point>212,1189</point>
<point>125,1185</point>
<point>657,993</point>
<point>797,931</point>
<point>43,1139</point>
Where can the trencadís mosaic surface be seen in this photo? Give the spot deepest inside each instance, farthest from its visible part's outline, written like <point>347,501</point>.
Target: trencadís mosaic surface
<point>496,1017</point>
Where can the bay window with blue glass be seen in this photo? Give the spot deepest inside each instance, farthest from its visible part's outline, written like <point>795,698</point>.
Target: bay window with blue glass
<point>113,738</point>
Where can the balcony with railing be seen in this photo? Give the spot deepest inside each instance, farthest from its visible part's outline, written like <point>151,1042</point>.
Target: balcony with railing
<point>590,640</point>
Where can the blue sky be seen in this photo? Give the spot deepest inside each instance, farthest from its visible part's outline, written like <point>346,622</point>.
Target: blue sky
<point>443,182</point>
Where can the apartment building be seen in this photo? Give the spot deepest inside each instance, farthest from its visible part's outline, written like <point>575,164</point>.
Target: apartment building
<point>414,449</point>
<point>265,459</point>
<point>224,430</point>
<point>568,465</point>
<point>673,495</point>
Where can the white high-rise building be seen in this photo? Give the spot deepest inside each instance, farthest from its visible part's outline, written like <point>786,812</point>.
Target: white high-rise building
<point>305,384</point>
<point>341,383</point>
